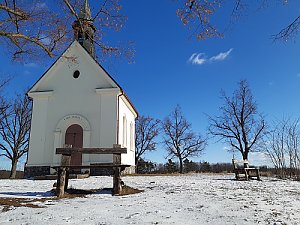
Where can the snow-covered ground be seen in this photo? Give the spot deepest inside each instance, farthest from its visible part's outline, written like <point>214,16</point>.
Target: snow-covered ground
<point>188,199</point>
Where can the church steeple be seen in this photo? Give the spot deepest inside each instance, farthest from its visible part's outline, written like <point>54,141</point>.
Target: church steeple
<point>85,12</point>
<point>84,29</point>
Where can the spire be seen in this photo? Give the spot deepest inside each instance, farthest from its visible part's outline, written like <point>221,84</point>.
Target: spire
<point>85,11</point>
<point>84,29</point>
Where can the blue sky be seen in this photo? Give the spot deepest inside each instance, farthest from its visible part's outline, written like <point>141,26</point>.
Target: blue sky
<point>166,72</point>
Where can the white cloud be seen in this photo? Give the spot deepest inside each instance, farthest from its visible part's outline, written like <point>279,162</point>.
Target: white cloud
<point>26,72</point>
<point>31,65</point>
<point>259,159</point>
<point>226,148</point>
<point>41,5</point>
<point>46,40</point>
<point>221,56</point>
<point>200,58</point>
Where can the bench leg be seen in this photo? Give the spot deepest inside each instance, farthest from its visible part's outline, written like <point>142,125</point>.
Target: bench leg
<point>246,175</point>
<point>67,179</point>
<point>258,176</point>
<point>236,176</point>
<point>117,187</point>
<point>61,178</point>
<point>253,173</point>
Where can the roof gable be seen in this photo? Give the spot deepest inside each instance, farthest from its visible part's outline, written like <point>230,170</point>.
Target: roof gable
<point>59,77</point>
<point>74,58</point>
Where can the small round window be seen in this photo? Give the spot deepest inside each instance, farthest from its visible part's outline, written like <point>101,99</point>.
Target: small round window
<point>76,74</point>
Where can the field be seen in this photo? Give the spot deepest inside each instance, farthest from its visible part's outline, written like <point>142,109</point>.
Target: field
<point>186,199</point>
<point>4,174</point>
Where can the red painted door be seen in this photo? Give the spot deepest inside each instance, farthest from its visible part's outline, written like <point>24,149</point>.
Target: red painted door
<point>74,137</point>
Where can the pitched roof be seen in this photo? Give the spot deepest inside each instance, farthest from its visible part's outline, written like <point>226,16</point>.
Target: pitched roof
<point>34,87</point>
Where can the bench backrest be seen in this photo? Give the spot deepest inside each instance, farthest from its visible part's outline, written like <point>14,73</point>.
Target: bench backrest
<point>239,164</point>
<point>116,152</point>
<point>69,150</point>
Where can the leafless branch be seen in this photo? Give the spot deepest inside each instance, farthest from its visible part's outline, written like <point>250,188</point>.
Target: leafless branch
<point>180,141</point>
<point>239,125</point>
<point>147,129</point>
<point>14,130</point>
<point>289,31</point>
<point>32,29</point>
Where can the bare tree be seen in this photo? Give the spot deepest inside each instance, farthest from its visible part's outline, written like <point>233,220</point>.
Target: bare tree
<point>292,147</point>
<point>180,141</point>
<point>288,32</point>
<point>275,147</point>
<point>3,103</point>
<point>282,146</point>
<point>197,16</point>
<point>239,125</point>
<point>29,28</point>
<point>146,130</point>
<point>14,131</point>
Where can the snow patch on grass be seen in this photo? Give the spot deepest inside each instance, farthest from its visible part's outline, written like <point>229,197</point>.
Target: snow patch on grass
<point>192,199</point>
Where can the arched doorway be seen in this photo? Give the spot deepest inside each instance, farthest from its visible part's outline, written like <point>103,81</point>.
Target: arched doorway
<point>74,137</point>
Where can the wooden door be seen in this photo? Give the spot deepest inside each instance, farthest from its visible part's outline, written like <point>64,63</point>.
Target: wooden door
<point>74,137</point>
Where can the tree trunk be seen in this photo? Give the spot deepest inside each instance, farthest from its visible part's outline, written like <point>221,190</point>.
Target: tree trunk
<point>136,160</point>
<point>245,157</point>
<point>180,165</point>
<point>136,165</point>
<point>245,154</point>
<point>13,170</point>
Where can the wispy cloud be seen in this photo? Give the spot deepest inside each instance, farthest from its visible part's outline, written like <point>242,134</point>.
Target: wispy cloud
<point>221,56</point>
<point>31,65</point>
<point>198,58</point>
<point>45,40</point>
<point>226,148</point>
<point>26,72</point>
<point>41,5</point>
<point>259,158</point>
<point>201,58</point>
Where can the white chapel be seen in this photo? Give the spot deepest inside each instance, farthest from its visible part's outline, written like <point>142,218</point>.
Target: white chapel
<point>76,102</point>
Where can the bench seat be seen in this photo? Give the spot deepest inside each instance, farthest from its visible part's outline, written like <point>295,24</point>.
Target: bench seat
<point>241,167</point>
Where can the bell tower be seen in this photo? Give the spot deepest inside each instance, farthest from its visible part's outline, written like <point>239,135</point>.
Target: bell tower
<point>84,29</point>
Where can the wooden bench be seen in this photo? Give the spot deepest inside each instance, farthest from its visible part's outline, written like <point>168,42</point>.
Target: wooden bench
<point>241,167</point>
<point>65,167</point>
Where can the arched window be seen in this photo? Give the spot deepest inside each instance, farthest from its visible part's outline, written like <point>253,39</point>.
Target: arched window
<point>131,136</point>
<point>124,131</point>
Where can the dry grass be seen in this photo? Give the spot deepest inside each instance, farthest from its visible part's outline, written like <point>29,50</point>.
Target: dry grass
<point>4,174</point>
<point>8,203</point>
<point>126,190</point>
<point>73,193</point>
<point>153,174</point>
<point>174,174</point>
<point>78,193</point>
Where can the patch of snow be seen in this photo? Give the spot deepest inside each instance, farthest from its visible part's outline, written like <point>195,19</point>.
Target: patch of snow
<point>186,199</point>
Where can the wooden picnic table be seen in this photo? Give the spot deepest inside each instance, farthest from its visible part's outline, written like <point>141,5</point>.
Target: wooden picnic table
<point>65,167</point>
